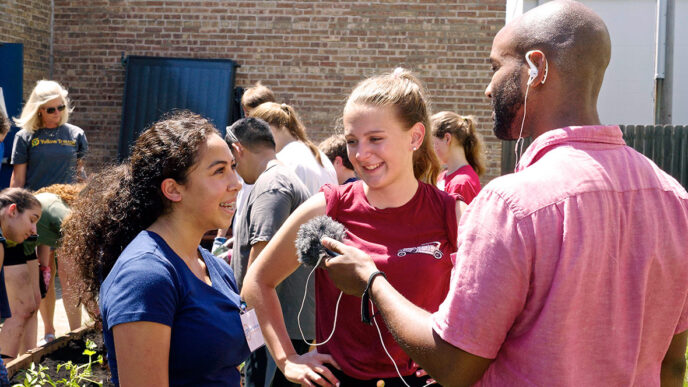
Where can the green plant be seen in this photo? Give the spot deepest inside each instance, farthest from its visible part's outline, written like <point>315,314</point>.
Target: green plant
<point>685,378</point>
<point>77,373</point>
<point>36,377</point>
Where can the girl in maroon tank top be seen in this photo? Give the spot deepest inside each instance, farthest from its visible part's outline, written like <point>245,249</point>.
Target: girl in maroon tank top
<point>394,213</point>
<point>459,146</point>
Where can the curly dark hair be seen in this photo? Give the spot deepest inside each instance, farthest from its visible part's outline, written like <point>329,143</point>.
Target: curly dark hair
<point>121,201</point>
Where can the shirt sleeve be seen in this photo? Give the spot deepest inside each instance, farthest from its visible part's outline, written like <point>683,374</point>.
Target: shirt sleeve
<point>269,210</point>
<point>145,289</point>
<point>490,279</point>
<point>60,211</point>
<point>20,150</point>
<point>463,187</point>
<point>81,145</point>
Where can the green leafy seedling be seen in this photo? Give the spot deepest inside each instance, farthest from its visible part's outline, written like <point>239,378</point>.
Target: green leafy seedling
<point>77,374</point>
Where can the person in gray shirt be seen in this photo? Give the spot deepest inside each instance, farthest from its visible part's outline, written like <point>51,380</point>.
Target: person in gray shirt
<point>276,193</point>
<point>47,150</point>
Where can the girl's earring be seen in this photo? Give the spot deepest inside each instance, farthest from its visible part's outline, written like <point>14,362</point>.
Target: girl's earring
<point>414,148</point>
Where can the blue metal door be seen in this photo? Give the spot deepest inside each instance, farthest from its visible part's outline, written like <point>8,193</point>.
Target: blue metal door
<point>155,86</point>
<point>11,80</point>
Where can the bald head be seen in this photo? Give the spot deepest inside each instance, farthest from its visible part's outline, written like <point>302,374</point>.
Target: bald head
<point>571,35</point>
<point>572,53</point>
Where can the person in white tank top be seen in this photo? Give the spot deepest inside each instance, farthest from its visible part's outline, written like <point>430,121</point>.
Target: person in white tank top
<point>294,148</point>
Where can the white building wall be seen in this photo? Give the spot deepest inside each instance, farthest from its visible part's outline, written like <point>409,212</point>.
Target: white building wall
<point>680,99</point>
<point>627,95</point>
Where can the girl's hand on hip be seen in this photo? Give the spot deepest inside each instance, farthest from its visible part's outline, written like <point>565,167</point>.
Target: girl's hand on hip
<point>309,369</point>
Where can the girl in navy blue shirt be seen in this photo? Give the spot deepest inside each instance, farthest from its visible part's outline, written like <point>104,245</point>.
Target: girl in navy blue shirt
<point>170,309</point>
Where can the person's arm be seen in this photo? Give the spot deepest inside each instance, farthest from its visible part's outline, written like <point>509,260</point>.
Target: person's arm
<point>19,160</point>
<point>139,305</point>
<point>143,351</point>
<point>81,149</point>
<point>18,178</point>
<point>43,255</point>
<point>460,209</point>
<point>674,362</point>
<point>80,171</point>
<point>256,249</point>
<point>410,324</point>
<point>275,263</point>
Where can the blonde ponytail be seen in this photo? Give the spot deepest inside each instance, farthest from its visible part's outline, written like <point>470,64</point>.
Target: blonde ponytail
<point>284,116</point>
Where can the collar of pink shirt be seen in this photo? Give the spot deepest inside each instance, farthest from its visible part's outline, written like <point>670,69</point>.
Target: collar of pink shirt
<point>546,141</point>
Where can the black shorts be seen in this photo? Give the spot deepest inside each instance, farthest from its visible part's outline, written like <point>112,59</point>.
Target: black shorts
<point>15,255</point>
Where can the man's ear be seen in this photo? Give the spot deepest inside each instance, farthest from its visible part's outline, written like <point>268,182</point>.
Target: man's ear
<point>417,135</point>
<point>170,189</point>
<point>337,161</point>
<point>539,59</point>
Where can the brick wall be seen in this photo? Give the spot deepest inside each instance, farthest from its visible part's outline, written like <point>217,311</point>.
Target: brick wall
<point>311,53</point>
<point>28,22</point>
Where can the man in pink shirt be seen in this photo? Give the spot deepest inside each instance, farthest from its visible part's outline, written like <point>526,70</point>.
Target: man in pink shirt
<point>574,269</point>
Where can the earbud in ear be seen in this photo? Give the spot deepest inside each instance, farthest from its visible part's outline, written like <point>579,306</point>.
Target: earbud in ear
<point>533,72</point>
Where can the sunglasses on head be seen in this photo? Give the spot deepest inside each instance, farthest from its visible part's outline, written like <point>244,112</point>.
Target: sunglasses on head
<point>51,110</point>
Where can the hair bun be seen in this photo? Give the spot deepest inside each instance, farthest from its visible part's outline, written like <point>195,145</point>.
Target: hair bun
<point>398,72</point>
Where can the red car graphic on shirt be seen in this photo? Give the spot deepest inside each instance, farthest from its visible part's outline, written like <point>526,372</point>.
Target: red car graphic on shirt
<point>431,248</point>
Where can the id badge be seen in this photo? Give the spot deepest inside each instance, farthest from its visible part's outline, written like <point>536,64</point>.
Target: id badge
<point>254,336</point>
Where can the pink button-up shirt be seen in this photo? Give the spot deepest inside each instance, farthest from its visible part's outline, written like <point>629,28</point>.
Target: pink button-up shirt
<point>574,269</point>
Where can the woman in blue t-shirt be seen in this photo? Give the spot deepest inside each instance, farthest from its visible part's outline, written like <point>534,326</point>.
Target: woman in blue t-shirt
<point>170,309</point>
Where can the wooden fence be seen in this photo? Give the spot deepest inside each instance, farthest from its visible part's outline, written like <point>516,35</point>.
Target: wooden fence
<point>666,145</point>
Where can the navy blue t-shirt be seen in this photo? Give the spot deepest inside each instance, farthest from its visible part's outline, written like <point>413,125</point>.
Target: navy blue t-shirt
<point>50,154</point>
<point>149,282</point>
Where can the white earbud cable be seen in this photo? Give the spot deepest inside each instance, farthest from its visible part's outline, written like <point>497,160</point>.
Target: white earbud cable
<point>518,149</point>
<point>379,333</point>
<point>334,326</point>
<point>303,301</point>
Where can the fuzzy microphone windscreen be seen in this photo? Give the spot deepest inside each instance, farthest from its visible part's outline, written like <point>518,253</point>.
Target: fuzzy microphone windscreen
<point>308,246</point>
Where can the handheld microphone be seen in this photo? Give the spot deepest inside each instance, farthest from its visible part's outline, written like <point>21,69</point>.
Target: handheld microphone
<point>311,252</point>
<point>308,247</point>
